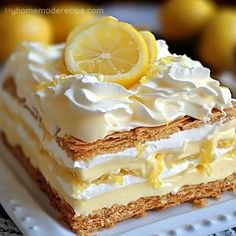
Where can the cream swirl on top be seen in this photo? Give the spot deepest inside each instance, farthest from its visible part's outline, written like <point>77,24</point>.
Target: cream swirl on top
<point>89,109</point>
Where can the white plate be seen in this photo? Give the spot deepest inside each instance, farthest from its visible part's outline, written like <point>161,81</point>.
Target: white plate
<point>32,213</point>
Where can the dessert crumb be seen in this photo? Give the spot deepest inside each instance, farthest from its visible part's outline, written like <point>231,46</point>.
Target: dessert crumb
<point>216,197</point>
<point>200,203</point>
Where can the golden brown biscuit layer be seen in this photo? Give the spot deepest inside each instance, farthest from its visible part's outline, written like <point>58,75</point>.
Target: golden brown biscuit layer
<point>116,142</point>
<point>107,217</point>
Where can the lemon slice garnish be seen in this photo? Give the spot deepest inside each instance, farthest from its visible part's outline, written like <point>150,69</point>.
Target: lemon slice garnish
<point>152,47</point>
<point>112,50</point>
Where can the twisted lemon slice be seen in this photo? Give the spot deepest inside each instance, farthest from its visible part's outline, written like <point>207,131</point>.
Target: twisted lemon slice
<point>151,43</point>
<point>113,50</point>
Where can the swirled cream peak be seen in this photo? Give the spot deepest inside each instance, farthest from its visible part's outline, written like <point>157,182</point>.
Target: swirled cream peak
<point>89,109</point>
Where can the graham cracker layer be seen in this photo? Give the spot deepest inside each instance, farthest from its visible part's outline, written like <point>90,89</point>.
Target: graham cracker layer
<point>119,141</point>
<point>107,217</point>
<point>80,150</point>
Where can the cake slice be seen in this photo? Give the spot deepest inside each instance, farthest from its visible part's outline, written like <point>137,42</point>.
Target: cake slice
<point>105,150</point>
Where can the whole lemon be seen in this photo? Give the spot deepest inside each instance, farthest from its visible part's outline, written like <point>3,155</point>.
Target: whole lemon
<point>181,19</point>
<point>217,45</point>
<point>65,16</point>
<point>15,28</point>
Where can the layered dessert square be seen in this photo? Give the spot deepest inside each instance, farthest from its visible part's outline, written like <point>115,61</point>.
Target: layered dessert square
<point>104,152</point>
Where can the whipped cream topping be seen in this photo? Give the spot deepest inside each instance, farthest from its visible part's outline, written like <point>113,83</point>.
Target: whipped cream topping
<point>89,109</point>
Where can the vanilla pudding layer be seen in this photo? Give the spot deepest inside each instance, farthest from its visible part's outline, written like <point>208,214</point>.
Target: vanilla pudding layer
<point>168,167</point>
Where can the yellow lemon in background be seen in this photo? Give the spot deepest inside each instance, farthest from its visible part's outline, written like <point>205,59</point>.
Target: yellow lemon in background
<point>65,16</point>
<point>18,27</point>
<point>181,19</point>
<point>217,45</point>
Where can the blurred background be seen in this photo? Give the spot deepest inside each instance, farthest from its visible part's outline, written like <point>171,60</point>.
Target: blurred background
<point>203,29</point>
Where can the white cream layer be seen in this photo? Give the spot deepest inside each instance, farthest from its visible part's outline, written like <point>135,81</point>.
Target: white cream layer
<point>94,190</point>
<point>18,135</point>
<point>89,109</point>
<point>97,197</point>
<point>107,163</point>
